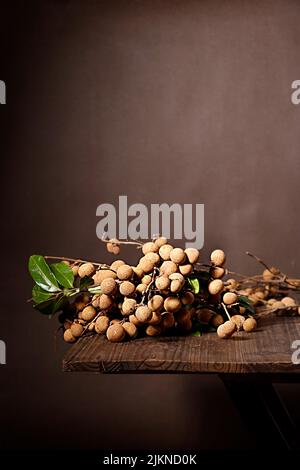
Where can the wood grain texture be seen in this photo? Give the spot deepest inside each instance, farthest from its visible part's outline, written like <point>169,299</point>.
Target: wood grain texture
<point>267,351</point>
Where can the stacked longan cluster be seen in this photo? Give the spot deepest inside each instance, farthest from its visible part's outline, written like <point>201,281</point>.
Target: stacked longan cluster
<point>155,296</point>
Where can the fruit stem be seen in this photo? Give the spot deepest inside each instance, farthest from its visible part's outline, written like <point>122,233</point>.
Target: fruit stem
<point>226,311</point>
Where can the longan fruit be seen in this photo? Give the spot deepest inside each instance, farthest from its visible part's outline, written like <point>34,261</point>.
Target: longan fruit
<point>176,286</point>
<point>230,298</point>
<point>65,261</point>
<point>116,264</point>
<point>88,313</point>
<point>164,251</point>
<point>67,324</point>
<point>91,326</point>
<point>259,295</point>
<point>288,301</point>
<point>115,333</point>
<point>217,272</point>
<point>162,282</point>
<point>101,325</point>
<point>146,265</point>
<point>156,303</point>
<point>185,325</point>
<point>124,272</point>
<point>205,315</point>
<point>217,320</point>
<point>68,337</point>
<point>187,298</point>
<point>242,310</point>
<point>176,276</point>
<point>95,300</point>
<point>230,283</point>
<point>130,329</point>
<point>108,286</point>
<point>79,305</point>
<point>128,306</point>
<point>109,247</point>
<point>167,320</point>
<point>146,279</point>
<point>217,257</point>
<point>267,275</point>
<point>215,299</point>
<point>153,257</point>
<point>172,304</point>
<point>116,249</point>
<point>149,247</point>
<point>105,302</point>
<point>153,330</point>
<point>143,314</point>
<point>115,321</point>
<point>278,305</point>
<point>155,319</point>
<point>132,318</point>
<point>249,324</point>
<point>102,274</point>
<point>182,315</point>
<point>192,255</point>
<point>167,268</point>
<point>75,269</point>
<point>215,286</point>
<point>185,269</point>
<point>160,241</point>
<point>177,255</point>
<point>141,288</point>
<point>127,288</point>
<point>86,269</point>
<point>138,271</point>
<point>271,301</point>
<point>238,320</point>
<point>76,329</point>
<point>226,329</point>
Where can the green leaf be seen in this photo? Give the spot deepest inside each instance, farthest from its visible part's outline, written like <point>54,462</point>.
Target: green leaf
<point>244,301</point>
<point>42,274</point>
<point>194,283</point>
<point>197,333</point>
<point>52,305</point>
<point>63,274</point>
<point>85,282</point>
<point>39,295</point>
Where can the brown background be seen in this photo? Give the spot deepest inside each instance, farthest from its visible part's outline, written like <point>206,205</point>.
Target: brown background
<point>165,101</point>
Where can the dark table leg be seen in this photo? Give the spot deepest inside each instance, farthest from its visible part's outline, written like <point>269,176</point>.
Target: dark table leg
<point>262,411</point>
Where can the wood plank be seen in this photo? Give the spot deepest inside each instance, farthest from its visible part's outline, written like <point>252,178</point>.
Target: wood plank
<point>266,351</point>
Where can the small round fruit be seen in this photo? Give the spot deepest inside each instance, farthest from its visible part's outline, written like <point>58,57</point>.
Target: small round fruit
<point>238,320</point>
<point>172,304</point>
<point>141,288</point>
<point>139,273</point>
<point>91,326</point>
<point>167,320</point>
<point>288,301</point>
<point>109,247</point>
<point>154,258</point>
<point>68,337</point>
<point>102,274</point>
<point>215,286</point>
<point>149,247</point>
<point>267,275</point>
<point>86,269</point>
<point>187,298</point>
<point>231,283</point>
<point>80,305</point>
<point>116,249</point>
<point>105,302</point>
<point>153,330</point>
<point>217,272</point>
<point>67,324</point>
<point>76,329</point>
<point>217,320</point>
<point>88,313</point>
<point>185,269</point>
<point>192,255</point>
<point>164,251</point>
<point>176,286</point>
<point>230,298</point>
<point>130,329</point>
<point>146,279</point>
<point>162,282</point>
<point>242,310</point>
<point>115,333</point>
<point>278,305</point>
<point>75,269</point>
<point>159,242</point>
<point>218,257</point>
<point>116,264</point>
<point>177,255</point>
<point>124,272</point>
<point>108,286</point>
<point>155,319</point>
<point>156,303</point>
<point>101,325</point>
<point>167,268</point>
<point>249,324</point>
<point>95,300</point>
<point>127,288</point>
<point>205,315</point>
<point>132,318</point>
<point>143,314</point>
<point>146,265</point>
<point>226,330</point>
<point>185,325</point>
<point>128,306</point>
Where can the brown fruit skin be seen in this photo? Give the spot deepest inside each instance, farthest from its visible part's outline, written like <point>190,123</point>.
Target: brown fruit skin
<point>178,256</point>
<point>185,269</point>
<point>146,279</point>
<point>115,321</point>
<point>181,316</point>
<point>153,330</point>
<point>217,272</point>
<point>128,306</point>
<point>105,302</point>
<point>134,320</point>
<point>67,324</point>
<point>154,258</point>
<point>164,251</point>
<point>267,275</point>
<point>146,265</point>
<point>149,247</point>
<point>143,314</point>
<point>95,300</point>
<point>86,269</point>
<point>115,333</point>
<point>80,305</point>
<point>278,305</point>
<point>167,320</point>
<point>124,272</point>
<point>91,326</point>
<point>242,310</point>
<point>288,301</point>
<point>76,330</point>
<point>230,298</point>
<point>102,274</point>
<point>231,283</point>
<point>108,286</point>
<point>176,286</point>
<point>130,329</point>
<point>192,255</point>
<point>159,242</point>
<point>102,324</point>
<point>109,247</point>
<point>167,268</point>
<point>156,303</point>
<point>187,298</point>
<point>238,320</point>
<point>88,313</point>
<point>185,325</point>
<point>217,320</point>
<point>205,315</point>
<point>116,264</point>
<point>217,257</point>
<point>75,270</point>
<point>141,288</point>
<point>215,286</point>
<point>116,249</point>
<point>68,337</point>
<point>172,304</point>
<point>249,324</point>
<point>127,288</point>
<point>155,319</point>
<point>226,330</point>
<point>162,282</point>
<point>138,272</point>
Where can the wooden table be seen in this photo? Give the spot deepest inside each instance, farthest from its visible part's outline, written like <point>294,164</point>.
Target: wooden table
<point>248,364</point>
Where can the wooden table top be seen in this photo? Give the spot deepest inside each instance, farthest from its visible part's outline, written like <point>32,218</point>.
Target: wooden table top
<point>267,350</point>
